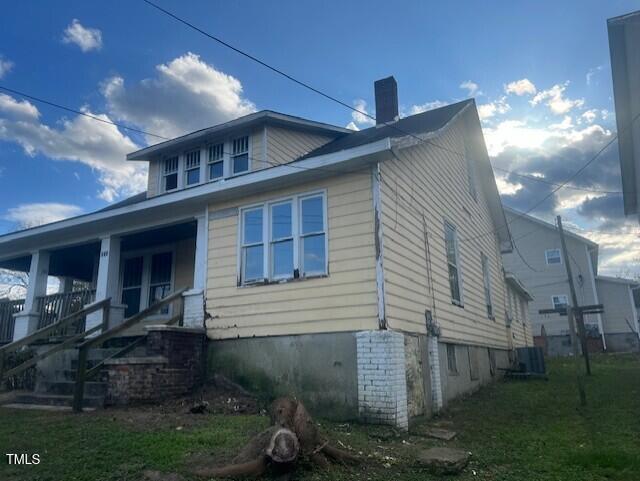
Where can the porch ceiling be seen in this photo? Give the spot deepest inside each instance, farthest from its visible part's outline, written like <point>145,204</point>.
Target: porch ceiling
<point>163,235</point>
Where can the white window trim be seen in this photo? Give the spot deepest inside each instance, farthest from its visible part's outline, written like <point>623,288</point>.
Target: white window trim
<point>486,284</point>
<point>163,174</point>
<point>146,255</point>
<point>459,303</point>
<point>295,200</point>
<point>553,304</point>
<point>185,170</point>
<point>546,257</point>
<point>230,155</point>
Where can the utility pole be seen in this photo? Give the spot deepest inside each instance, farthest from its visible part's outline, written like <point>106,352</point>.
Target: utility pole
<point>576,311</point>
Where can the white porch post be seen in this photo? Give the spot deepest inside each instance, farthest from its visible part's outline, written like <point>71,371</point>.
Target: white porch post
<point>27,320</point>
<point>194,298</point>
<point>107,282</point>
<point>66,285</point>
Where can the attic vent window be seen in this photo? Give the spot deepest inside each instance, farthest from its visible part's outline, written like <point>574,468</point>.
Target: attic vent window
<point>192,167</point>
<point>240,155</point>
<point>216,161</point>
<point>170,174</point>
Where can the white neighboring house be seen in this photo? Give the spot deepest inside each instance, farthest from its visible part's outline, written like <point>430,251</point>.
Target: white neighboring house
<point>621,316</point>
<point>542,271</point>
<point>359,270</point>
<point>624,39</point>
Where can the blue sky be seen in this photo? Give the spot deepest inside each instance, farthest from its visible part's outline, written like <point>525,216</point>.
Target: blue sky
<point>539,71</point>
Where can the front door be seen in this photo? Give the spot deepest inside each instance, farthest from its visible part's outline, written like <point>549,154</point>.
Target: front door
<point>132,285</point>
<point>146,279</point>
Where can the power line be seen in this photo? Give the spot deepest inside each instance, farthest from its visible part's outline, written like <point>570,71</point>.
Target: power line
<point>79,112</point>
<point>538,179</point>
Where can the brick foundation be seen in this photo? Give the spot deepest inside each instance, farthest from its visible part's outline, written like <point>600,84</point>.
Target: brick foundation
<point>382,383</point>
<point>173,366</point>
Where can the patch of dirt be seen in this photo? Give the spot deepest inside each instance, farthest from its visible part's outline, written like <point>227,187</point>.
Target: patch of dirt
<point>217,396</point>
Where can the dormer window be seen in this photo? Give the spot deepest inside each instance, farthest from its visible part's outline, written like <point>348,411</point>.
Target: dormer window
<point>192,168</point>
<point>216,161</point>
<point>170,174</point>
<point>240,155</point>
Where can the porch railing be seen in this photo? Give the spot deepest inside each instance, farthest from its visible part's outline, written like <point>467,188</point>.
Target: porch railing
<point>7,321</point>
<point>54,307</point>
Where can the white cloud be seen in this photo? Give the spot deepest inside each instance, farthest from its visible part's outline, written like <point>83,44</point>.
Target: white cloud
<point>352,126</point>
<point>5,66</point>
<point>17,109</point>
<point>556,100</point>
<point>32,215</point>
<point>505,187</point>
<point>99,145</point>
<point>590,115</point>
<point>86,38</point>
<point>418,109</point>
<point>567,123</point>
<point>186,95</point>
<point>472,88</point>
<point>359,118</point>
<point>488,110</point>
<point>521,87</point>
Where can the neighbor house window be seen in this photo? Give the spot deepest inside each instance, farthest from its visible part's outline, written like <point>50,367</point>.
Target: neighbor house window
<point>452,363</point>
<point>560,301</point>
<point>160,281</point>
<point>170,174</point>
<point>486,277</point>
<point>240,155</point>
<point>192,167</point>
<point>296,235</point>
<point>553,256</point>
<point>216,161</point>
<point>451,245</point>
<point>252,245</point>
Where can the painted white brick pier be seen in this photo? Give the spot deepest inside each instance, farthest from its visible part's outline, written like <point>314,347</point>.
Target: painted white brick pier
<point>382,382</point>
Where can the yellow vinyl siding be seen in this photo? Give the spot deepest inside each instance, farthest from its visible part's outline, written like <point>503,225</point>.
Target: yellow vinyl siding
<point>286,145</point>
<point>345,300</point>
<point>430,180</point>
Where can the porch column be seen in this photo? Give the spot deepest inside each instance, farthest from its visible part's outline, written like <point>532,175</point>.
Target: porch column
<point>66,285</point>
<point>27,320</point>
<point>194,298</point>
<point>107,282</point>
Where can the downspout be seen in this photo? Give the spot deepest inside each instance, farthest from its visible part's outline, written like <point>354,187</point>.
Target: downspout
<point>379,243</point>
<point>595,296</point>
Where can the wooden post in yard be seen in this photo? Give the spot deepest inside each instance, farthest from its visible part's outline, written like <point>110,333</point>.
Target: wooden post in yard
<point>574,301</point>
<point>576,356</point>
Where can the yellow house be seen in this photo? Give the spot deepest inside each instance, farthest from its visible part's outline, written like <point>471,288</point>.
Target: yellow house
<point>358,270</point>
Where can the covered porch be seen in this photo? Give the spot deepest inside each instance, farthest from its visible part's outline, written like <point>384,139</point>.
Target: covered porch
<point>134,268</point>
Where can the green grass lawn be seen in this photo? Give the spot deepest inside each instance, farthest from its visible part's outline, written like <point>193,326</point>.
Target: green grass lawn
<point>516,430</point>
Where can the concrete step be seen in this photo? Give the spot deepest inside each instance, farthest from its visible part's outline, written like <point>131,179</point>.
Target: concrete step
<point>66,388</point>
<point>57,400</point>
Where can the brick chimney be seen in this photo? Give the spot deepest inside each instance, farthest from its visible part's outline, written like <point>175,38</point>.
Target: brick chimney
<point>386,100</point>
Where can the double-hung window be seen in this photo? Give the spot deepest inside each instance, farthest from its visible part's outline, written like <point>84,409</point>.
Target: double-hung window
<point>192,167</point>
<point>170,174</point>
<point>284,239</point>
<point>216,161</point>
<point>486,277</point>
<point>281,220</point>
<point>451,246</point>
<point>253,245</point>
<point>559,301</point>
<point>240,155</point>
<point>553,256</point>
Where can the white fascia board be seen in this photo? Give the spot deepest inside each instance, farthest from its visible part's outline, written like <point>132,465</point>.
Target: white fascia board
<point>194,198</point>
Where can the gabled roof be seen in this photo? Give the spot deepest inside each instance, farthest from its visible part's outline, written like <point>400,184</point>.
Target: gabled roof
<point>247,121</point>
<point>617,280</point>
<point>547,225</point>
<point>422,123</point>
